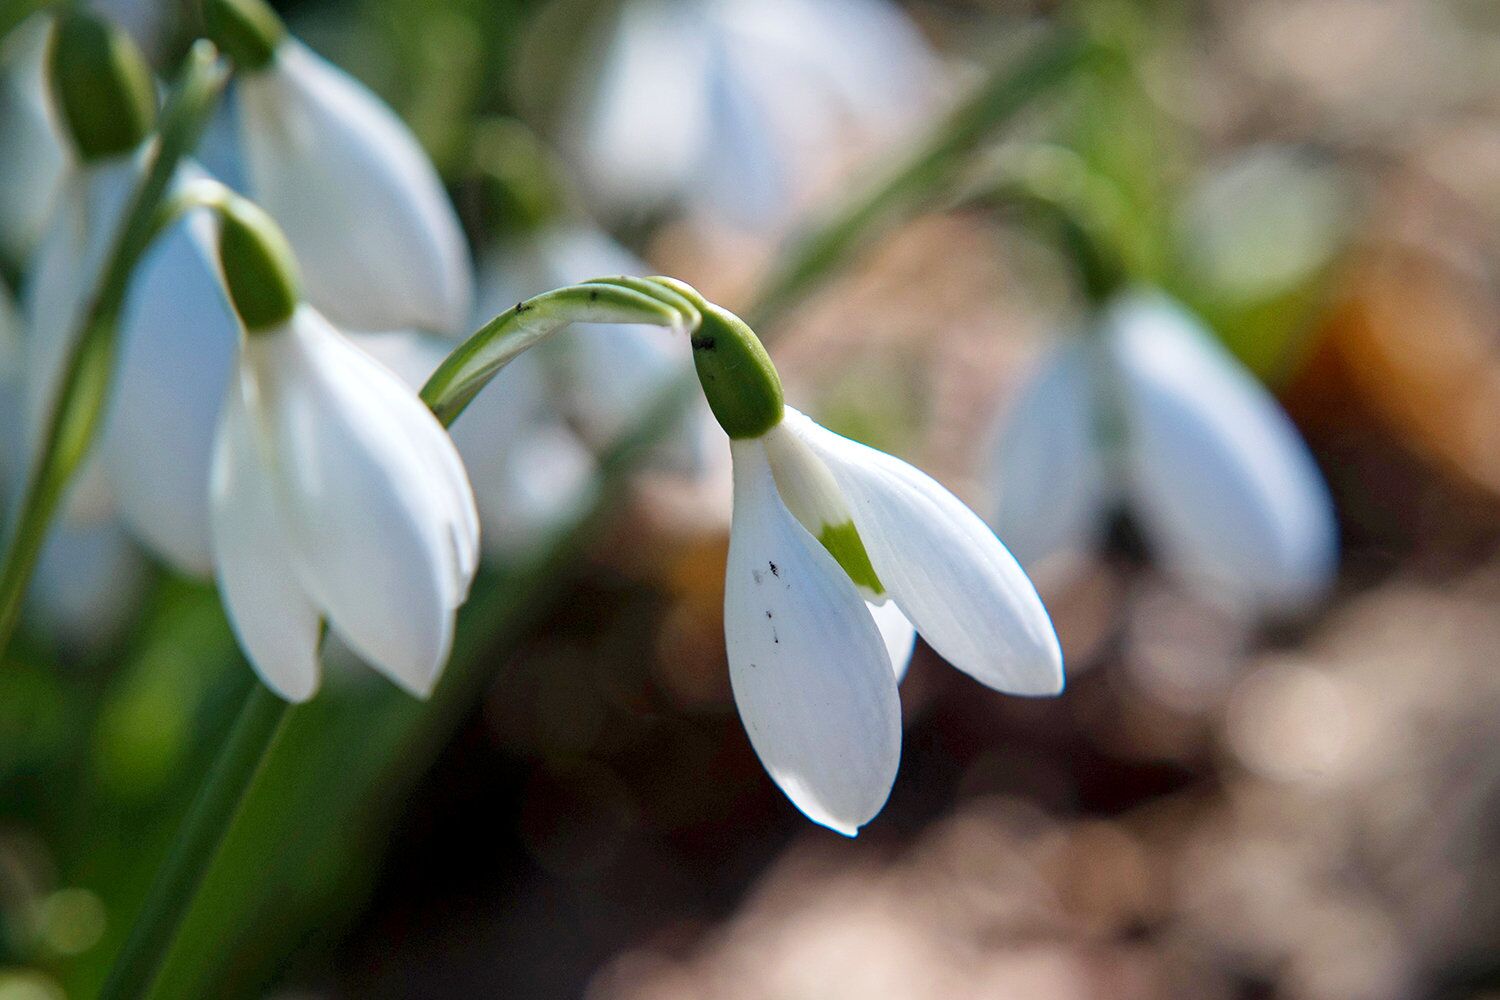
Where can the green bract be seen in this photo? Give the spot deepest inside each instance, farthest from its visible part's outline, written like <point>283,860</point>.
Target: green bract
<point>259,267</point>
<point>102,87</point>
<point>248,30</point>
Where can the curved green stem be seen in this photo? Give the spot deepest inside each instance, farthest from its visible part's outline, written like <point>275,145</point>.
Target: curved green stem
<point>82,397</point>
<point>243,754</point>
<point>490,348</point>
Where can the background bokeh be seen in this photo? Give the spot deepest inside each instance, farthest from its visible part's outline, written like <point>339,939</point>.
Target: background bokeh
<point>1214,809</point>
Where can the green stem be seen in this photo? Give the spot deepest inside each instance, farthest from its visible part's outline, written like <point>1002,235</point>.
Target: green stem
<point>490,348</point>
<point>83,395</point>
<point>930,167</point>
<point>198,839</point>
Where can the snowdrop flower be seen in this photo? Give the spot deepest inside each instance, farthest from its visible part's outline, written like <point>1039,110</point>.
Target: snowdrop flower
<point>1155,414</point>
<point>103,95</point>
<point>377,239</point>
<point>531,473</point>
<point>604,375</point>
<point>177,335</point>
<point>335,493</point>
<point>729,104</point>
<point>824,527</point>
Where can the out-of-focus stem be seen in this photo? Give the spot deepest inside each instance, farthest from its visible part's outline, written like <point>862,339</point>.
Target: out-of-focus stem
<point>208,821</point>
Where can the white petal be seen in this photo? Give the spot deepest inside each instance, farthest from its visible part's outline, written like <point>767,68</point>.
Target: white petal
<point>382,517</point>
<point>177,346</point>
<point>950,575</point>
<point>1052,484</point>
<point>377,239</point>
<point>899,635</point>
<point>811,676</point>
<point>273,618</point>
<point>1224,485</point>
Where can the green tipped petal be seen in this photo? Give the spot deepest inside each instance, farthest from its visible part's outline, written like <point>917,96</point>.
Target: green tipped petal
<point>248,30</point>
<point>258,266</point>
<point>102,86</point>
<point>843,543</point>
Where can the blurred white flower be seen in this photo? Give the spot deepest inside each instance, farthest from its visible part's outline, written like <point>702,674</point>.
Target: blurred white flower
<point>531,474</point>
<point>1155,413</point>
<point>336,494</point>
<point>376,236</point>
<point>176,341</point>
<point>823,525</point>
<point>603,376</point>
<point>32,155</point>
<point>732,106</point>
<point>69,261</point>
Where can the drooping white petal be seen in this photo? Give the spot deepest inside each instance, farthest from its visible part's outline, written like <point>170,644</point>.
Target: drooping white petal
<point>381,515</point>
<point>645,121</point>
<point>1225,487</point>
<point>32,156</point>
<point>811,675</point>
<point>69,261</point>
<point>273,617</point>
<point>949,574</point>
<point>1051,481</point>
<point>530,473</point>
<point>177,345</point>
<point>899,635</point>
<point>378,242</point>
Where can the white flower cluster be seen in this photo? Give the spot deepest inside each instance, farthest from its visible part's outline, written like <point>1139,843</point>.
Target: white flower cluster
<point>264,426</point>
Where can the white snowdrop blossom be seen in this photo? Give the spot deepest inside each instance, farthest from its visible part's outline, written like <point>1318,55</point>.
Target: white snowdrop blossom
<point>1153,413</point>
<point>336,495</point>
<point>821,526</point>
<point>732,105</point>
<point>177,336</point>
<point>361,204</point>
<point>837,554</point>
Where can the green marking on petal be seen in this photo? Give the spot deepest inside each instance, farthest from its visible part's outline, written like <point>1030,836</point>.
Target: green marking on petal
<point>843,543</point>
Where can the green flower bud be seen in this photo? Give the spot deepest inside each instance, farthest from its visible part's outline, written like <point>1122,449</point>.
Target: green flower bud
<point>248,30</point>
<point>101,85</point>
<point>258,265</point>
<point>736,373</point>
